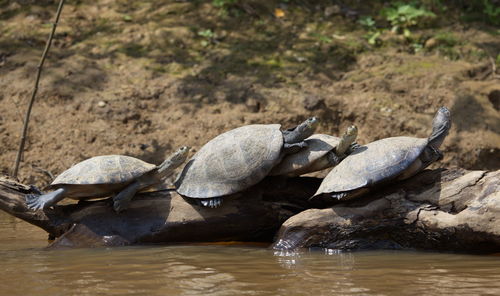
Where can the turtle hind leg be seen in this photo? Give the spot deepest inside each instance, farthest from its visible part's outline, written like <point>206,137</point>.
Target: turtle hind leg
<point>38,202</point>
<point>122,200</point>
<point>212,202</point>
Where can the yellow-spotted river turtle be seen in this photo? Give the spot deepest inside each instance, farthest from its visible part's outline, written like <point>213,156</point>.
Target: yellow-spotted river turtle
<point>105,175</point>
<point>238,159</point>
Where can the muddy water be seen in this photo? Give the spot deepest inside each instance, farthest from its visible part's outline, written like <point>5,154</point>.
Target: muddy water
<point>27,269</point>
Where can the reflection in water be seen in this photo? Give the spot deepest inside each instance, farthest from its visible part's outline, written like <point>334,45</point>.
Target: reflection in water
<point>27,269</point>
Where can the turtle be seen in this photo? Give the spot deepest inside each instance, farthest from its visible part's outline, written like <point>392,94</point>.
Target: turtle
<point>104,175</point>
<point>237,159</point>
<point>323,151</point>
<point>395,158</point>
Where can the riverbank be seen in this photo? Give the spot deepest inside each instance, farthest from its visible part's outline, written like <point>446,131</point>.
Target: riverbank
<point>143,78</point>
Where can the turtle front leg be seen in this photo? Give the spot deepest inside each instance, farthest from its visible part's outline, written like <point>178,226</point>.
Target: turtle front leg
<point>430,155</point>
<point>122,200</point>
<point>333,159</point>
<point>353,147</point>
<point>38,202</point>
<point>290,148</point>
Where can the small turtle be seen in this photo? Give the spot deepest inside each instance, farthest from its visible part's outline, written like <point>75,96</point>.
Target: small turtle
<point>238,159</point>
<point>387,159</point>
<point>323,151</point>
<point>104,175</point>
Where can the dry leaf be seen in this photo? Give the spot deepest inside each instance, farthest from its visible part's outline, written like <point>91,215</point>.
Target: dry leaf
<point>279,13</point>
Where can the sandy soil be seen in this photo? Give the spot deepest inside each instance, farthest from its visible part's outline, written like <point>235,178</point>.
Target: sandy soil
<point>142,78</point>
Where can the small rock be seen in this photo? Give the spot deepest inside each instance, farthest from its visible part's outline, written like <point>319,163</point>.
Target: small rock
<point>301,59</point>
<point>101,104</point>
<point>386,110</point>
<point>312,102</point>
<point>399,87</point>
<point>494,98</point>
<point>431,43</point>
<point>253,105</point>
<point>331,10</point>
<point>220,35</point>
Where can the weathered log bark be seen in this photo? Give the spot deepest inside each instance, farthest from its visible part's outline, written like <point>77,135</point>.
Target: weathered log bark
<point>451,210</point>
<point>165,217</point>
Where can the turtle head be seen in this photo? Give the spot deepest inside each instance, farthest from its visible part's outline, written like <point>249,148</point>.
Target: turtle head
<point>180,156</point>
<point>347,139</point>
<point>311,122</point>
<point>301,131</point>
<point>173,161</point>
<point>306,128</point>
<point>441,125</point>
<point>352,131</point>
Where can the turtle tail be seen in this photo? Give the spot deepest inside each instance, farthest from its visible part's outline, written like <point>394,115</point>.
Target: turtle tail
<point>440,127</point>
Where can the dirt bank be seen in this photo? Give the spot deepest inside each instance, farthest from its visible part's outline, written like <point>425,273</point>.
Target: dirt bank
<point>142,78</point>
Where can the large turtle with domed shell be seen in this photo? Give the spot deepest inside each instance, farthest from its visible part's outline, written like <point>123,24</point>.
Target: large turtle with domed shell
<point>238,159</point>
<point>105,175</point>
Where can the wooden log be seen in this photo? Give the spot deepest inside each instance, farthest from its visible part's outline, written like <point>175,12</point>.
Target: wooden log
<point>166,217</point>
<point>448,210</point>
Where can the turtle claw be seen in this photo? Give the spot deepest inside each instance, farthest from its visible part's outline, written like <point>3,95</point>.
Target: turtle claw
<point>212,202</point>
<point>35,202</point>
<point>353,147</point>
<point>339,196</point>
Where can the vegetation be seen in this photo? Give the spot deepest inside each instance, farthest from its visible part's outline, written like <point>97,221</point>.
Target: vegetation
<point>492,12</point>
<point>402,17</point>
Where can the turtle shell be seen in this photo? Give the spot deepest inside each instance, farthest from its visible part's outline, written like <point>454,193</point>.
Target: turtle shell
<point>102,170</point>
<point>232,161</point>
<point>373,163</point>
<point>318,145</point>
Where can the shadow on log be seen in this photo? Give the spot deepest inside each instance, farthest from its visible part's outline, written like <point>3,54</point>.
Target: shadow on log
<point>448,210</point>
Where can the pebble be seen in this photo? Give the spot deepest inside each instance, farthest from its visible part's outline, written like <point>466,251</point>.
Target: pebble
<point>331,10</point>
<point>101,104</point>
<point>431,43</point>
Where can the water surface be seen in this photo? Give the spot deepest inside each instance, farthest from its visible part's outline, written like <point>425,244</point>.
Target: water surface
<point>28,269</point>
